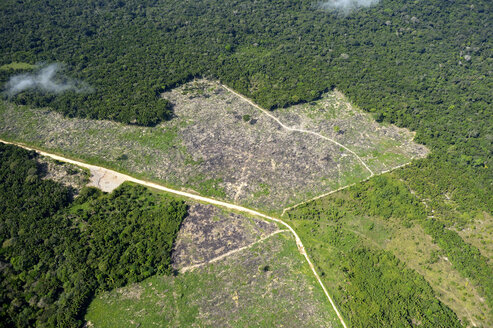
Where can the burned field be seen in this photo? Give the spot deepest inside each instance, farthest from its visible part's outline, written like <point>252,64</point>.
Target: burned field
<point>381,146</point>
<point>259,163</point>
<point>209,232</point>
<point>220,145</point>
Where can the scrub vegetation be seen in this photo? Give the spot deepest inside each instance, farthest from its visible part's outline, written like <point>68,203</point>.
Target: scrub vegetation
<point>379,228</point>
<point>267,285</point>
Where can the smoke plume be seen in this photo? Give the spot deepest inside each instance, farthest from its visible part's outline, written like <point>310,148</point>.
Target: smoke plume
<point>47,79</point>
<point>346,5</point>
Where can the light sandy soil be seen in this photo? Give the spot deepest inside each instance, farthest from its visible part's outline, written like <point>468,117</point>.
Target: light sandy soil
<point>105,180</point>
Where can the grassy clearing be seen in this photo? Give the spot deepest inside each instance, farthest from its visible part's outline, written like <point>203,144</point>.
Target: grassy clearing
<point>16,66</point>
<point>479,232</point>
<point>158,138</point>
<point>268,285</point>
<point>473,225</point>
<point>413,246</point>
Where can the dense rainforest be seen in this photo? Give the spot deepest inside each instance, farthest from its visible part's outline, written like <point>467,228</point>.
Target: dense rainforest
<point>425,65</point>
<point>57,252</point>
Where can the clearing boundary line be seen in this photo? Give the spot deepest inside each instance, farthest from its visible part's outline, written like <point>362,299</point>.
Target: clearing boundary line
<point>298,130</point>
<point>125,177</point>
<point>234,251</point>
<point>341,188</point>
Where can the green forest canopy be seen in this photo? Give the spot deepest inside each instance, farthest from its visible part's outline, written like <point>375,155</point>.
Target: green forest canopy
<point>420,64</point>
<point>57,252</point>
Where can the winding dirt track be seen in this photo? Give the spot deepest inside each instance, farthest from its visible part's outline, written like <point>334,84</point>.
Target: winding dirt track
<point>298,130</point>
<point>120,177</point>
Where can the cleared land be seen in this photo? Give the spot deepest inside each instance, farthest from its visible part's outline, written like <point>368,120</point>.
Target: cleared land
<point>479,233</point>
<point>267,285</point>
<point>380,146</point>
<point>67,174</point>
<point>220,145</point>
<point>209,232</point>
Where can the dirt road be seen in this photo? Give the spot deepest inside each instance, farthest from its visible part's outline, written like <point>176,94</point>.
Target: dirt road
<point>298,130</point>
<point>120,177</point>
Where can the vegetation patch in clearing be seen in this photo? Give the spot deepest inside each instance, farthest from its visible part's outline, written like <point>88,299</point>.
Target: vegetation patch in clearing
<point>267,285</point>
<point>223,146</point>
<point>16,66</point>
<point>479,233</point>
<point>67,174</point>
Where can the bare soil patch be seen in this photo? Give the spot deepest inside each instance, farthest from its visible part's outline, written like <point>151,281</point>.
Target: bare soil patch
<point>105,180</point>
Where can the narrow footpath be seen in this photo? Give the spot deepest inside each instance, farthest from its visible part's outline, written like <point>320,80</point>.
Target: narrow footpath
<point>232,252</point>
<point>298,130</point>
